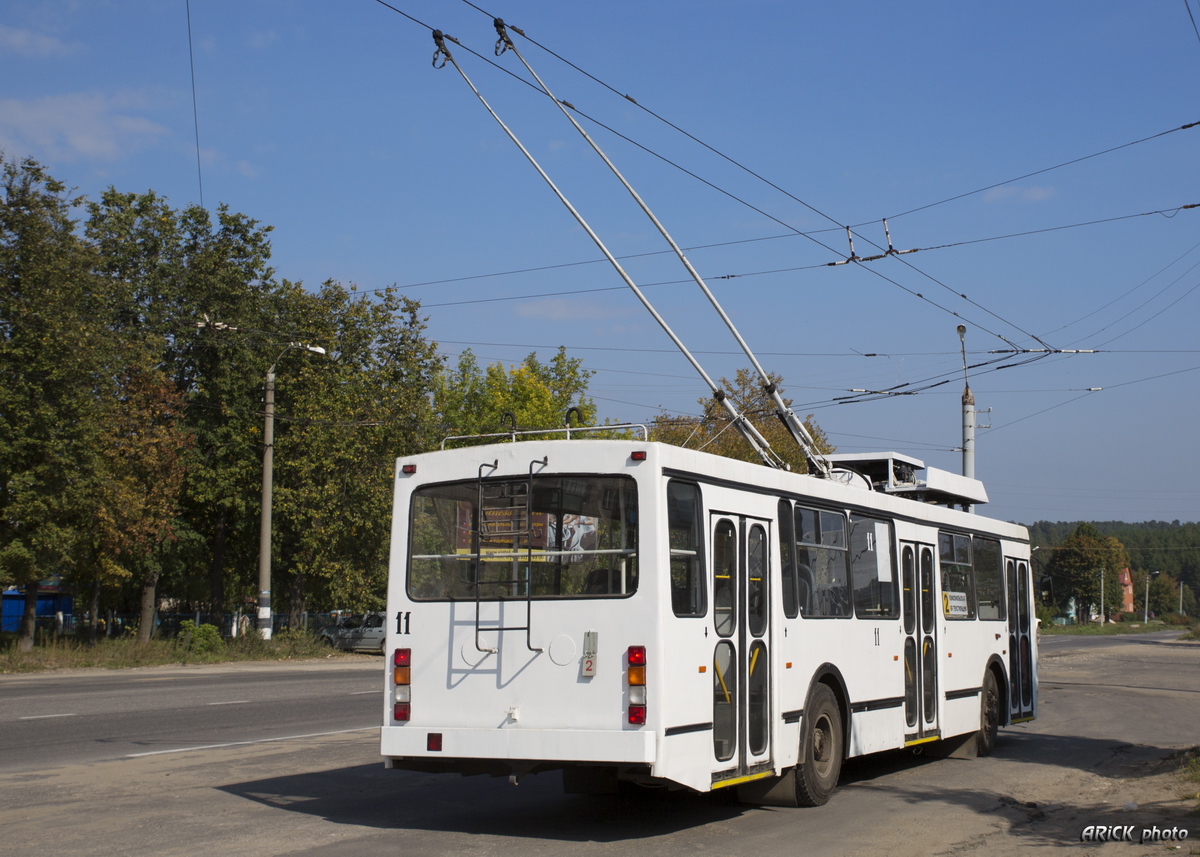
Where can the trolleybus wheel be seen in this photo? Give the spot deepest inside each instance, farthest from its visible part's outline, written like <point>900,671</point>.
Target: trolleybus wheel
<point>817,776</point>
<point>989,715</point>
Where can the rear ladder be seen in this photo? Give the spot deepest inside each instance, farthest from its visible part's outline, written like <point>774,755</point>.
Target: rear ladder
<point>505,520</point>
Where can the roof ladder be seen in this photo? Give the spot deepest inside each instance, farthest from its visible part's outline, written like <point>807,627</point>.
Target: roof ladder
<point>503,531</point>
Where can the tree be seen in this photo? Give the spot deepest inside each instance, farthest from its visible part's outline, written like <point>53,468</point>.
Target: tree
<point>136,492</point>
<point>1078,565</point>
<point>714,431</point>
<point>54,364</point>
<point>344,421</point>
<point>175,269</point>
<point>471,401</point>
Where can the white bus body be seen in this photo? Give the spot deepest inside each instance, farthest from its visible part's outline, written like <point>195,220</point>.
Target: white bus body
<point>625,610</point>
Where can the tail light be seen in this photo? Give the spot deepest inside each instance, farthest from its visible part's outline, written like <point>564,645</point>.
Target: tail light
<point>636,677</point>
<point>402,683</point>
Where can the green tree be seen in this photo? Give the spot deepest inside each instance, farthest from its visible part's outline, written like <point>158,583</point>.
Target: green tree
<point>345,419</point>
<point>1078,565</point>
<point>471,401</point>
<point>54,364</point>
<point>714,431</point>
<point>178,269</point>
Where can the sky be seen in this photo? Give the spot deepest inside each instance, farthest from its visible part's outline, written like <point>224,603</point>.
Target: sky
<point>1035,154</point>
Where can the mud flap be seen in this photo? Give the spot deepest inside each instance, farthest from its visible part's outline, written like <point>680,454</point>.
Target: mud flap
<point>770,791</point>
<point>958,747</point>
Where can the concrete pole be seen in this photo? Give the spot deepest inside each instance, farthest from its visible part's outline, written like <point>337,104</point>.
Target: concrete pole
<point>968,433</point>
<point>264,525</point>
<point>968,417</point>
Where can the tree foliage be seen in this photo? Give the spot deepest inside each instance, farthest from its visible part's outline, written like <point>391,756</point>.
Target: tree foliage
<point>135,340</point>
<point>470,400</point>
<point>715,432</point>
<point>1169,547</point>
<point>1078,566</point>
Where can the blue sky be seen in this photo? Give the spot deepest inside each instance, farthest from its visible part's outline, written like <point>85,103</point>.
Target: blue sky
<point>328,121</point>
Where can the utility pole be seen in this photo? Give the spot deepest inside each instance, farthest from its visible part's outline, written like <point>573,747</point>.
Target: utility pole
<point>264,522</point>
<point>968,416</point>
<point>1146,606</point>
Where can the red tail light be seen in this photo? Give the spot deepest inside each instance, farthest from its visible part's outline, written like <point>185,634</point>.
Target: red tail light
<point>635,677</point>
<point>402,685</point>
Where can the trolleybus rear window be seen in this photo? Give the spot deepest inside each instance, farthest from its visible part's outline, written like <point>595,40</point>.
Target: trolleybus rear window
<point>545,537</point>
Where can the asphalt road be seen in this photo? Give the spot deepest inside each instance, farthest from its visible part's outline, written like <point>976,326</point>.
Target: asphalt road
<point>80,716</point>
<point>289,781</point>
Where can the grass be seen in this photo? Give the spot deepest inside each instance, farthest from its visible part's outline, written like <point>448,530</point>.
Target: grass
<point>57,653</point>
<point>1189,772</point>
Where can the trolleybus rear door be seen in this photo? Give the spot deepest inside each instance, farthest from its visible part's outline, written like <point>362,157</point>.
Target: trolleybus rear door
<point>1020,646</point>
<point>917,580</point>
<point>741,658</point>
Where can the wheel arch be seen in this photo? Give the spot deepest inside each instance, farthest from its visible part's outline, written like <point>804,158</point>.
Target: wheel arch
<point>997,668</point>
<point>829,675</point>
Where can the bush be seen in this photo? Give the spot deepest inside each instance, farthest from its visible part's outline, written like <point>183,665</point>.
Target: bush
<point>1176,619</point>
<point>202,640</point>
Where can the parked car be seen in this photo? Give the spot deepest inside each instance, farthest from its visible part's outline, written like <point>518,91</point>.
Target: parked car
<point>358,633</point>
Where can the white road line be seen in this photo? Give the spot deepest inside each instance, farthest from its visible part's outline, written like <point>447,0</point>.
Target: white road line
<point>244,743</point>
<point>230,702</point>
<point>44,716</point>
<point>364,692</point>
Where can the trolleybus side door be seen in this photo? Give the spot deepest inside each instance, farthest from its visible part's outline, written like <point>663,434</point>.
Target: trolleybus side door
<point>917,582</point>
<point>741,657</point>
<point>1020,646</point>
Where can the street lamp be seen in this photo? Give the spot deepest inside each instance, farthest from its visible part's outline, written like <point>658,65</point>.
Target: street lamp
<point>1146,606</point>
<point>264,527</point>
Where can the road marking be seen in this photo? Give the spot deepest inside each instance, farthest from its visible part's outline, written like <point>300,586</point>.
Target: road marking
<point>364,692</point>
<point>44,716</point>
<point>230,702</point>
<point>244,743</point>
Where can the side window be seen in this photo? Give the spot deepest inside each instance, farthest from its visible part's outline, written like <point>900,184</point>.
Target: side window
<point>989,578</point>
<point>725,557</point>
<point>757,577</point>
<point>958,588</point>
<point>822,585</point>
<point>871,568</point>
<point>787,559</point>
<point>687,549</point>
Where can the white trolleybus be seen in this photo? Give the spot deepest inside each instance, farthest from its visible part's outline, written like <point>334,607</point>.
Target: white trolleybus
<point>626,610</point>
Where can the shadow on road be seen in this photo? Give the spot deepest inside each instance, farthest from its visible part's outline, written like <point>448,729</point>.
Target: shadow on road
<point>370,796</point>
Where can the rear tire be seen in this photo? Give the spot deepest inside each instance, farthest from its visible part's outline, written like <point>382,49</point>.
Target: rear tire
<point>817,776</point>
<point>989,715</point>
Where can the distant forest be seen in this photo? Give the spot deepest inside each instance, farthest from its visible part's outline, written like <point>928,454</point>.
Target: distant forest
<point>1170,547</point>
